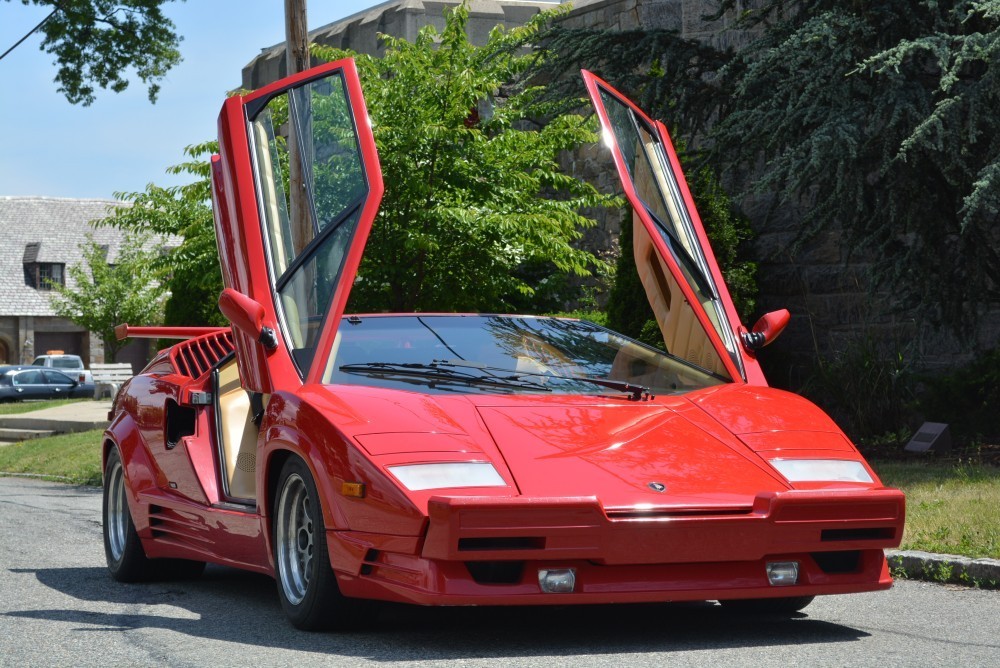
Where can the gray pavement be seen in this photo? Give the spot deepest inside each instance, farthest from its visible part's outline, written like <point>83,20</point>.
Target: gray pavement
<point>61,608</point>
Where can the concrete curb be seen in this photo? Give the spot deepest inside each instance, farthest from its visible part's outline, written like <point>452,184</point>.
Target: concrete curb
<point>953,568</point>
<point>72,417</point>
<point>56,425</point>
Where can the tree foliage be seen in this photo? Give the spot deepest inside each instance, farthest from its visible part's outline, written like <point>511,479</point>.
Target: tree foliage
<point>475,201</point>
<point>106,295</point>
<point>97,42</point>
<point>873,117</point>
<point>879,115</point>
<point>191,270</point>
<point>669,76</point>
<point>658,69</point>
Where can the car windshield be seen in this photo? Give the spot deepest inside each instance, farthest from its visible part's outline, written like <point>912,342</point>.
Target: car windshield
<point>507,354</point>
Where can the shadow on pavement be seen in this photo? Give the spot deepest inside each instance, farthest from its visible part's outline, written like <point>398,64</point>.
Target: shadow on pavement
<point>236,606</point>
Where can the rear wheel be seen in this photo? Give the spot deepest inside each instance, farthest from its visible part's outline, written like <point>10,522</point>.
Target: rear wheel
<point>768,606</point>
<point>307,585</point>
<point>127,561</point>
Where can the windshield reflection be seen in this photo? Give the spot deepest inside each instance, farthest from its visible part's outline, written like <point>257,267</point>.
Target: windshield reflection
<point>547,354</point>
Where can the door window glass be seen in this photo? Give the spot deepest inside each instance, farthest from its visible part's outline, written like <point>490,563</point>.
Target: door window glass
<point>653,180</point>
<point>56,378</point>
<point>30,377</point>
<point>311,186</point>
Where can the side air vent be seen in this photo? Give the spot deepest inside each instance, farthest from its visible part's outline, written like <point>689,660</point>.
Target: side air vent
<point>194,357</point>
<point>170,526</point>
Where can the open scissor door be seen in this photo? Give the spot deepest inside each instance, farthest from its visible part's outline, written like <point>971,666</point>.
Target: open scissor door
<point>676,264</point>
<point>296,187</point>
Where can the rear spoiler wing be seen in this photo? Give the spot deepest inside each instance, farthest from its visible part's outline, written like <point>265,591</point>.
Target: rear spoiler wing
<point>126,331</point>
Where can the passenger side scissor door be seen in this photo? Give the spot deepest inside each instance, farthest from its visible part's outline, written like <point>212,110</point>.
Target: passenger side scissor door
<point>678,270</point>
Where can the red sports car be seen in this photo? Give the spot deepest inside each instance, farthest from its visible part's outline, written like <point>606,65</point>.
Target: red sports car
<point>457,459</point>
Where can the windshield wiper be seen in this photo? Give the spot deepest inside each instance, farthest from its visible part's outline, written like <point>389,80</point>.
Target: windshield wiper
<point>638,392</point>
<point>441,371</point>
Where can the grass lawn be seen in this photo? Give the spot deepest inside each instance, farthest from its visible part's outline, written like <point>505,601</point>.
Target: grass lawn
<point>28,406</point>
<point>953,509</point>
<point>74,458</point>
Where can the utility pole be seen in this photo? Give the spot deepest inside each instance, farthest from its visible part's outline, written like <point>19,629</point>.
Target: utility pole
<point>297,59</point>
<point>296,36</point>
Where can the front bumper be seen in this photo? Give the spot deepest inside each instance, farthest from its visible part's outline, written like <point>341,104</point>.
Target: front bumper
<point>484,550</point>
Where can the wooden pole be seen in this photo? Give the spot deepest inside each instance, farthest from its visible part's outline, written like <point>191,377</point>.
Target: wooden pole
<point>297,59</point>
<point>296,36</point>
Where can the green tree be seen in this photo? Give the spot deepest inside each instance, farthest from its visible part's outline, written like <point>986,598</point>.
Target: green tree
<point>475,201</point>
<point>671,77</point>
<point>107,295</point>
<point>191,270</point>
<point>872,117</point>
<point>97,42</point>
<point>878,115</point>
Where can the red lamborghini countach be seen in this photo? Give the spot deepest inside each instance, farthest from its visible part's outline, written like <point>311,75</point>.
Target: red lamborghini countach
<point>462,459</point>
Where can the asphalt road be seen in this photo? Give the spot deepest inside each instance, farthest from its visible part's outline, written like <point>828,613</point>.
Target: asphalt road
<point>58,607</point>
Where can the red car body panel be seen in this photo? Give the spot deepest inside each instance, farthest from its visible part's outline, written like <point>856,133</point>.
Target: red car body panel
<point>649,499</point>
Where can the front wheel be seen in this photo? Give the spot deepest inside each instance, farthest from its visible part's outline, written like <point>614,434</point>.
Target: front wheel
<point>768,606</point>
<point>307,585</point>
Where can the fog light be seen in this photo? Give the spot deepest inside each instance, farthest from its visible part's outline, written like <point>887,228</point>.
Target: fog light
<point>782,573</point>
<point>557,581</point>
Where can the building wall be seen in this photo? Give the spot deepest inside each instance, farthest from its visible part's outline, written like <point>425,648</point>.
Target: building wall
<point>22,338</point>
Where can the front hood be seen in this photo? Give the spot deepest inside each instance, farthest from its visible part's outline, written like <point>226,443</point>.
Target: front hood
<point>627,455</point>
<point>747,409</point>
<point>698,446</point>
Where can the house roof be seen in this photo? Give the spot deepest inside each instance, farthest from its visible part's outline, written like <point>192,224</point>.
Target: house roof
<point>46,230</point>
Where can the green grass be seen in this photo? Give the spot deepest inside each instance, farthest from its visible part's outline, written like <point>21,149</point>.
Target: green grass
<point>950,509</point>
<point>74,458</point>
<point>28,406</point>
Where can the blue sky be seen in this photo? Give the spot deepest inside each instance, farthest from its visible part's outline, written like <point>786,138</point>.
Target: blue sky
<point>122,142</point>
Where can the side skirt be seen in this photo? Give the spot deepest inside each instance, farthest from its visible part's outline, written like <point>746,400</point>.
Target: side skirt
<point>229,534</point>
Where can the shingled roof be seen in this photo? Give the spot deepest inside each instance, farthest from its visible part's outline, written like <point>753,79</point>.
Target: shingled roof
<point>46,230</point>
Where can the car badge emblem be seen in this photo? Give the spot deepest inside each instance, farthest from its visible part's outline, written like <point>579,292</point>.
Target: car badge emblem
<point>657,486</point>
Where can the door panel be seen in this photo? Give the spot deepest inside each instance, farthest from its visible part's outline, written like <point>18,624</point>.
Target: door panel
<point>678,270</point>
<point>58,385</point>
<point>296,188</point>
<point>30,384</point>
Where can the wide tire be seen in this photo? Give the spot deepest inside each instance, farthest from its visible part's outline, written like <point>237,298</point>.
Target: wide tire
<point>123,551</point>
<point>126,559</point>
<point>307,585</point>
<point>768,606</point>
